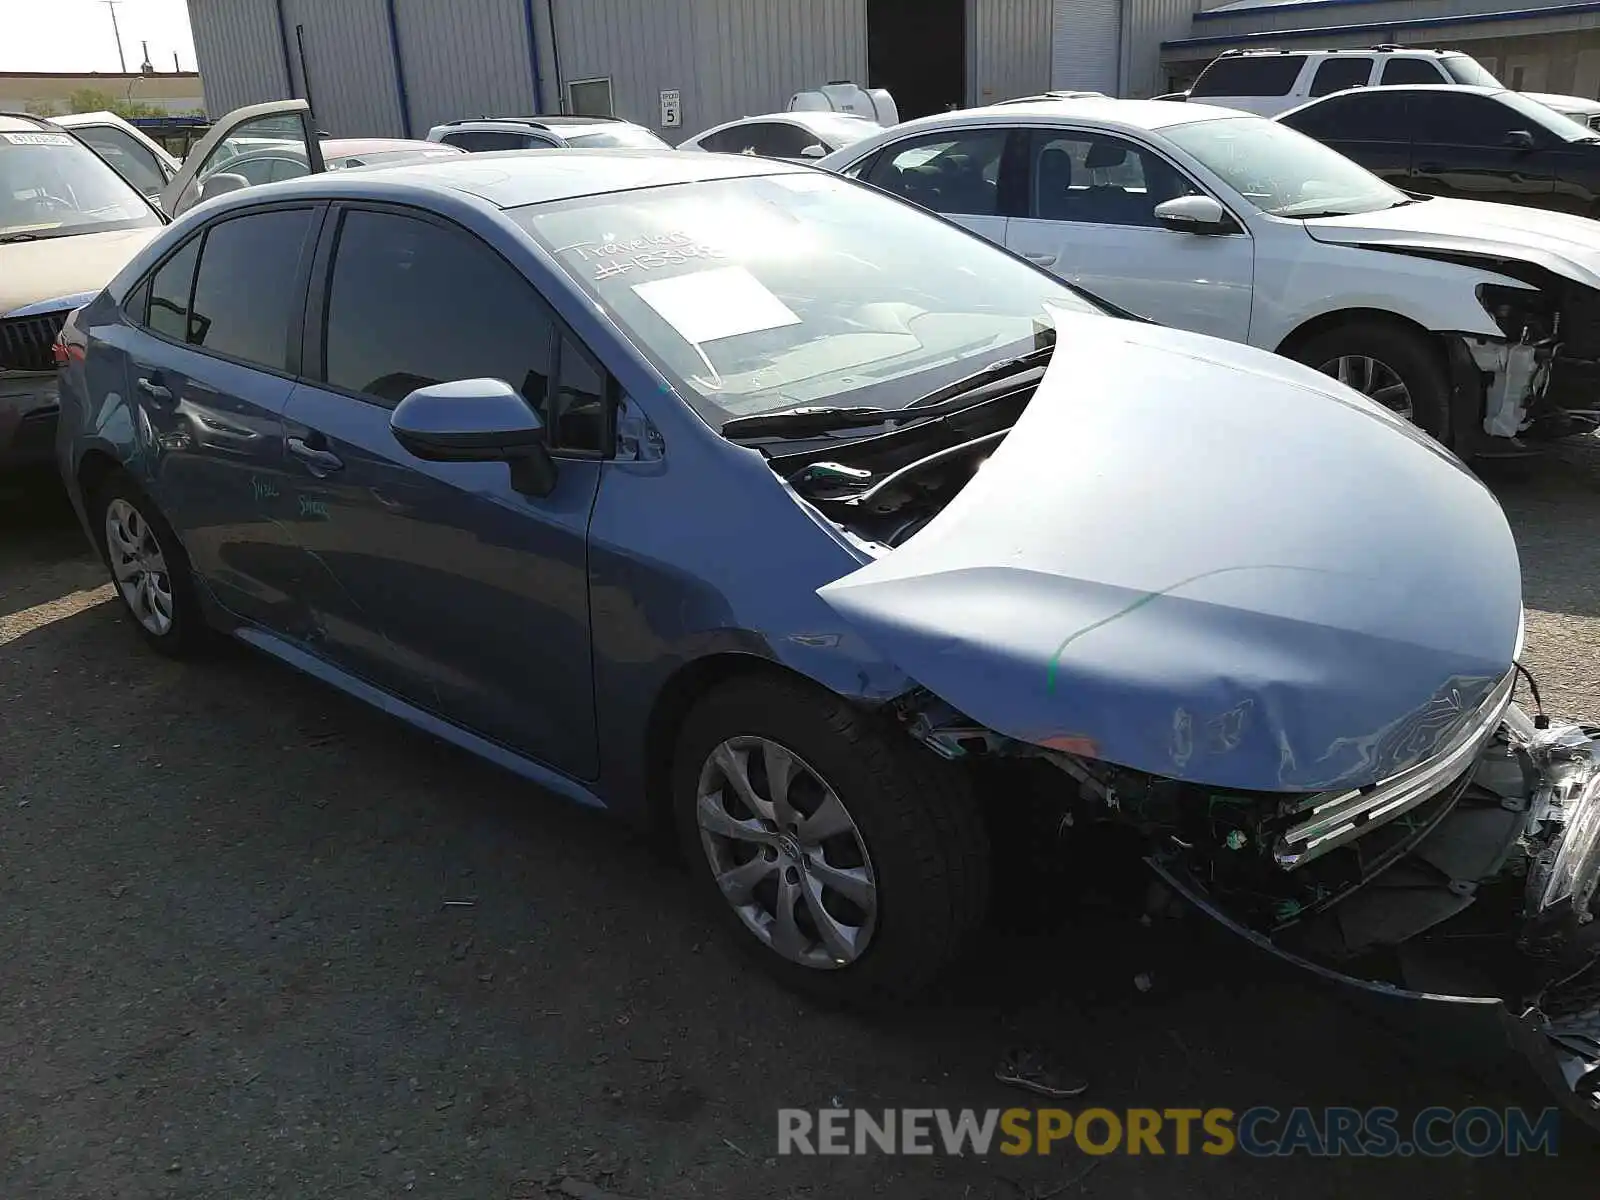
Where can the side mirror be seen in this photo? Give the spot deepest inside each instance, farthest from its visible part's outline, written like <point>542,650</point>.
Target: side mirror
<point>1195,214</point>
<point>221,183</point>
<point>477,420</point>
<point>815,150</point>
<point>1520,139</point>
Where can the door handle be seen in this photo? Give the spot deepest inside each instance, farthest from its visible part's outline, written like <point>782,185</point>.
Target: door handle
<point>154,390</point>
<point>1044,260</point>
<point>319,462</point>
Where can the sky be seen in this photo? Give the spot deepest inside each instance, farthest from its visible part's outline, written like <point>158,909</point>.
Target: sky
<point>75,35</point>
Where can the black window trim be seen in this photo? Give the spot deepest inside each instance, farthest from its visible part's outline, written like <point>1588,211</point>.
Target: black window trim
<point>293,341</point>
<point>314,330</point>
<point>1024,170</point>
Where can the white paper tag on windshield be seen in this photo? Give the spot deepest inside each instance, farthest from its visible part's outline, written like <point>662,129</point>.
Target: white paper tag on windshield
<point>38,139</point>
<point>706,305</point>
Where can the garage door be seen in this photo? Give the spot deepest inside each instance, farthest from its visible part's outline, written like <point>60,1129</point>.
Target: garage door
<point>1084,52</point>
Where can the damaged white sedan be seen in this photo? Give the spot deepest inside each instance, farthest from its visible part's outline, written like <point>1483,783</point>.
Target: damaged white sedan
<point>1479,322</point>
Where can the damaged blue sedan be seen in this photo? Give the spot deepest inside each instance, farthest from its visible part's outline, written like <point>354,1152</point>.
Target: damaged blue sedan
<point>748,502</point>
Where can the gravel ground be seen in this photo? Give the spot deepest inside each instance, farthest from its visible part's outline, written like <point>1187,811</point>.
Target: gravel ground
<point>259,940</point>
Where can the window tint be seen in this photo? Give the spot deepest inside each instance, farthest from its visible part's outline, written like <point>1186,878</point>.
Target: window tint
<point>948,173</point>
<point>1253,75</point>
<point>787,141</point>
<point>1099,180</point>
<point>250,320</point>
<point>578,412</point>
<point>1336,74</point>
<point>1369,116</point>
<point>133,162</point>
<point>169,293</point>
<point>479,141</point>
<point>1410,70</point>
<point>1464,119</point>
<point>769,139</point>
<point>412,303</point>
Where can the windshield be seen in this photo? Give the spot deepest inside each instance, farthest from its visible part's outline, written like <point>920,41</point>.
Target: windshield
<point>768,292</point>
<point>623,137</point>
<point>1283,172</point>
<point>1463,68</point>
<point>52,185</point>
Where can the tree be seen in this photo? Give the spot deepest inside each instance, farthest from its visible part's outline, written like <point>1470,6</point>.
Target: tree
<point>91,100</point>
<point>43,108</point>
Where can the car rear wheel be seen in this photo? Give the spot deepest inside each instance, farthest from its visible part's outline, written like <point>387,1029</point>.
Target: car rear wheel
<point>852,863</point>
<point>1396,367</point>
<point>148,567</point>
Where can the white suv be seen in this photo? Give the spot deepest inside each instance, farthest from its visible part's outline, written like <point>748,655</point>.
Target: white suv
<point>1269,82</point>
<point>544,133</point>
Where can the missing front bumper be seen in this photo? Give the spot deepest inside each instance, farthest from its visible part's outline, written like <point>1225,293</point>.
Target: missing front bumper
<point>1530,838</point>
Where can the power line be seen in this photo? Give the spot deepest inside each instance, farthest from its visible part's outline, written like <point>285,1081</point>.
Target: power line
<point>122,59</point>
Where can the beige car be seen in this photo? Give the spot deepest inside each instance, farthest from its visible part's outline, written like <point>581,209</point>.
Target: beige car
<point>68,223</point>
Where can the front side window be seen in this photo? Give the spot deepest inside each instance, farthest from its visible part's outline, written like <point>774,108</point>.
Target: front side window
<point>957,173</point>
<point>1410,70</point>
<point>1096,179</point>
<point>52,185</point>
<point>1249,75</point>
<point>132,161</point>
<point>762,293</point>
<point>1336,74</point>
<point>250,322</point>
<point>412,304</point>
<point>1470,119</point>
<point>1281,171</point>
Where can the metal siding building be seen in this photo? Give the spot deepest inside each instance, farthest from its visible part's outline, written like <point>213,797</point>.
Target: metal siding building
<point>392,67</point>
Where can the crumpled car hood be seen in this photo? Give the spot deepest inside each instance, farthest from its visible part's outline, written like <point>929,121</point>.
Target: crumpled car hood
<point>1203,561</point>
<point>1558,242</point>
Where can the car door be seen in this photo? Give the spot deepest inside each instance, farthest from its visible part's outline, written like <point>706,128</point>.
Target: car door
<point>285,124</point>
<point>1090,218</point>
<point>442,583</point>
<point>1371,127</point>
<point>956,172</point>
<point>130,158</point>
<point>1474,147</point>
<point>210,362</point>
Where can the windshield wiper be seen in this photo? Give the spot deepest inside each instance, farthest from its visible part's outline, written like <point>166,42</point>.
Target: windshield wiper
<point>7,238</point>
<point>794,422</point>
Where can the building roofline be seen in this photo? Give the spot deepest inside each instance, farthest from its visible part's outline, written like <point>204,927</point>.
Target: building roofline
<point>99,75</point>
<point>1269,36</point>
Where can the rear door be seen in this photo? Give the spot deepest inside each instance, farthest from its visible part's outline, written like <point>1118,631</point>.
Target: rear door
<point>210,365</point>
<point>955,172</point>
<point>1371,127</point>
<point>440,582</point>
<point>283,124</point>
<point>1463,147</point>
<point>1090,218</point>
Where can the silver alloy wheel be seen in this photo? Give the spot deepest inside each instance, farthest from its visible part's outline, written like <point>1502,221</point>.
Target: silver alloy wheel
<point>1372,378</point>
<point>138,566</point>
<point>786,853</point>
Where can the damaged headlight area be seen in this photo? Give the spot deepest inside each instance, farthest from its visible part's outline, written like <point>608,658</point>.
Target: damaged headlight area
<point>1542,380</point>
<point>1468,881</point>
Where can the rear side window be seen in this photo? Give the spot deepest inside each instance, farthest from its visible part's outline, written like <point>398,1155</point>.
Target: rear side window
<point>481,141</point>
<point>1411,70</point>
<point>1254,75</point>
<point>250,322</point>
<point>168,313</point>
<point>1336,74</point>
<point>1369,116</point>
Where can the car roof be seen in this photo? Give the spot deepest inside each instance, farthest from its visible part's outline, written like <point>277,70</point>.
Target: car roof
<point>23,123</point>
<point>1472,89</point>
<point>513,178</point>
<point>1127,114</point>
<point>340,147</point>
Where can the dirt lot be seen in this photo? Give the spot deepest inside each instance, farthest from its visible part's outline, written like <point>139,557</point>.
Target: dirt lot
<point>258,940</point>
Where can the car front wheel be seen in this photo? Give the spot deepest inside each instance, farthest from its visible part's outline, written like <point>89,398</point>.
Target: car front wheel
<point>850,861</point>
<point>1394,366</point>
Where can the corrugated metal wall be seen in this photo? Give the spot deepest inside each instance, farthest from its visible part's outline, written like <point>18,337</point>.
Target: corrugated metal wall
<point>1008,49</point>
<point>726,58</point>
<point>1084,47</point>
<point>466,60</point>
<point>239,53</point>
<point>1145,25</point>
<point>349,65</point>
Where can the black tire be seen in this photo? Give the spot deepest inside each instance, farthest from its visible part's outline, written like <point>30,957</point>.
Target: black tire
<point>187,634</point>
<point>916,814</point>
<point>1409,354</point>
